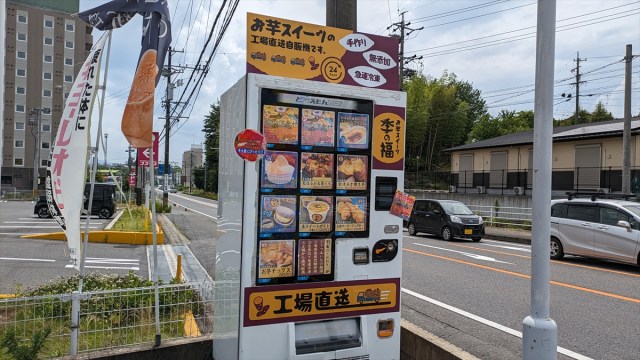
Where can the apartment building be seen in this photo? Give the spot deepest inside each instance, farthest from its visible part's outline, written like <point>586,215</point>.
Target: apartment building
<point>191,159</point>
<point>45,45</point>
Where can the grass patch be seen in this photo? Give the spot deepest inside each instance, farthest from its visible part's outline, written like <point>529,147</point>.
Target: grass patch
<point>204,194</point>
<point>135,222</point>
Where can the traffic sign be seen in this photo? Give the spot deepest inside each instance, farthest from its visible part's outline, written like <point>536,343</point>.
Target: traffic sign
<point>161,169</point>
<point>144,154</point>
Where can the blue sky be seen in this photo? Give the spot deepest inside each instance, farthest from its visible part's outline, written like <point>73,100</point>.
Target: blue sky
<point>490,44</point>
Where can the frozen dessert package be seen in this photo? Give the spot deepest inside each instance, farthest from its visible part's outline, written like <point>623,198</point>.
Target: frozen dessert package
<point>316,214</point>
<point>351,213</point>
<point>279,169</point>
<point>353,172</point>
<point>278,214</point>
<point>316,171</point>
<point>353,130</point>
<point>280,124</point>
<point>276,258</point>
<point>318,127</point>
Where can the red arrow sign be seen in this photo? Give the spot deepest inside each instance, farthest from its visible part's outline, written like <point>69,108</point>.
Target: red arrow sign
<point>143,154</point>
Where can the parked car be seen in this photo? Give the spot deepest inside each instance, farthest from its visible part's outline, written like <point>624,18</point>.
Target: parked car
<point>601,228</point>
<point>103,205</point>
<point>172,189</point>
<point>446,218</point>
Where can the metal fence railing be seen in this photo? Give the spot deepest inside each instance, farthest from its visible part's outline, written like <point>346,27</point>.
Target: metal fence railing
<point>111,319</point>
<point>516,217</point>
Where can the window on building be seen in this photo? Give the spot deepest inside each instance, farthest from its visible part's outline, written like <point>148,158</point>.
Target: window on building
<point>20,90</point>
<point>48,58</point>
<point>48,23</point>
<point>44,162</point>
<point>19,108</point>
<point>46,111</point>
<point>22,37</point>
<point>21,72</point>
<point>66,95</point>
<point>22,19</point>
<point>19,143</point>
<point>46,93</point>
<point>46,128</point>
<point>19,125</point>
<point>45,145</point>
<point>69,27</point>
<point>46,76</point>
<point>68,61</point>
<point>48,41</point>
<point>68,44</point>
<point>18,162</point>
<point>68,79</point>
<point>21,54</point>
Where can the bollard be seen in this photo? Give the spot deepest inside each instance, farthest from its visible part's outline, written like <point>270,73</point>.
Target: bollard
<point>179,269</point>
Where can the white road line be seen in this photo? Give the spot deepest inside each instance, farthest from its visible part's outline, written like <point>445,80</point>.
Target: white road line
<point>515,248</point>
<point>487,322</point>
<point>197,201</point>
<point>39,222</point>
<point>474,256</point>
<point>196,211</point>
<point>134,268</point>
<point>24,259</point>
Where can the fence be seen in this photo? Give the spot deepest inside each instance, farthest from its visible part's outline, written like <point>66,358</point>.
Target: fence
<point>110,319</point>
<point>503,216</point>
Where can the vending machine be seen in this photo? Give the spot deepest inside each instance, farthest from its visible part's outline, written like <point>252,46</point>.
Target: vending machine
<point>307,254</point>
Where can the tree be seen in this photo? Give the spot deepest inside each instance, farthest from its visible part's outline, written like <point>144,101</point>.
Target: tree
<point>211,147</point>
<point>600,113</point>
<point>505,123</point>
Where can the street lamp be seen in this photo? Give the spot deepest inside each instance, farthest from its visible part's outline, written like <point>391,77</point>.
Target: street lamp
<point>34,120</point>
<point>106,137</point>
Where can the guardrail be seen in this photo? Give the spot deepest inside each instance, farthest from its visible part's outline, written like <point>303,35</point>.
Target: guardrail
<point>514,217</point>
<point>110,319</point>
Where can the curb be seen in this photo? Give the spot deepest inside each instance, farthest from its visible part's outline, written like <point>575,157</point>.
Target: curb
<point>115,219</point>
<point>110,237</point>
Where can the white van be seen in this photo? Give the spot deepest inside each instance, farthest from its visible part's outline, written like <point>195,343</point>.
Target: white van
<point>597,228</point>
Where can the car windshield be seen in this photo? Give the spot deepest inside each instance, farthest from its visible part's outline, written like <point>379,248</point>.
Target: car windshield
<point>635,209</point>
<point>456,208</point>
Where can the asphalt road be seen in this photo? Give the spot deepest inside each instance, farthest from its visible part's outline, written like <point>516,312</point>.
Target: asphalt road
<point>475,295</point>
<point>30,262</point>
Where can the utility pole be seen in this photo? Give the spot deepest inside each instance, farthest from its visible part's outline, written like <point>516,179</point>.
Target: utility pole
<point>578,82</point>
<point>106,141</point>
<point>404,30</point>
<point>626,135</point>
<point>34,121</point>
<point>342,14</point>
<point>167,130</point>
<point>129,161</point>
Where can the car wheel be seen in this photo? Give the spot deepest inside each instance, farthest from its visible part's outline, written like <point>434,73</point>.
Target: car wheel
<point>446,233</point>
<point>104,213</point>
<point>476,239</point>
<point>556,249</point>
<point>43,212</point>
<point>412,229</point>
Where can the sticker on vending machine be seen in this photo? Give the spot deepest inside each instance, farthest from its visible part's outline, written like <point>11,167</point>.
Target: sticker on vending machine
<point>353,172</point>
<point>275,259</point>
<point>316,171</point>
<point>318,127</point>
<point>278,214</point>
<point>314,257</point>
<point>316,213</point>
<point>351,213</point>
<point>279,169</point>
<point>353,130</point>
<point>280,124</point>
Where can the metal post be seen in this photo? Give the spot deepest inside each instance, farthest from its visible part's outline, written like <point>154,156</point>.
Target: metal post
<point>35,120</point>
<point>167,131</point>
<point>155,243</point>
<point>106,142</point>
<point>75,322</point>
<point>540,332</point>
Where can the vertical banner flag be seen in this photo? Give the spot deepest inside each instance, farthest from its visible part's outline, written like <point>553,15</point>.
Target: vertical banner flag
<point>68,162</point>
<point>137,119</point>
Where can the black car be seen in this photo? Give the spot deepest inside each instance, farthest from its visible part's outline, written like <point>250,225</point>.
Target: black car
<point>104,204</point>
<point>446,218</point>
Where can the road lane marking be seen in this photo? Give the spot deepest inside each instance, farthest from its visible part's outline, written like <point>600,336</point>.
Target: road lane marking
<point>110,264</point>
<point>26,259</point>
<point>473,256</point>
<point>39,222</point>
<point>524,276</point>
<point>196,211</point>
<point>134,268</point>
<point>559,262</point>
<point>39,227</point>
<point>487,322</point>
<point>197,201</point>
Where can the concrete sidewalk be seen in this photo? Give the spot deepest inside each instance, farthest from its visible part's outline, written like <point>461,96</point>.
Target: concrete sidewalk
<point>506,234</point>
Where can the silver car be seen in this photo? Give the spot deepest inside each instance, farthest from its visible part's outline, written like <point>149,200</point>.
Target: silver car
<point>597,228</point>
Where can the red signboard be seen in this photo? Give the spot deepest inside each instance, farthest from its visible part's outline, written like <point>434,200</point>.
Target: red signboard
<point>132,179</point>
<point>145,154</point>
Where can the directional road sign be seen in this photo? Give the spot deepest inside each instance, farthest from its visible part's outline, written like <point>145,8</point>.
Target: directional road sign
<point>145,154</point>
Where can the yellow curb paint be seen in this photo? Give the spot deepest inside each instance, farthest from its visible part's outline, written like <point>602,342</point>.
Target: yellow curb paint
<point>190,326</point>
<point>7,296</point>
<point>106,236</point>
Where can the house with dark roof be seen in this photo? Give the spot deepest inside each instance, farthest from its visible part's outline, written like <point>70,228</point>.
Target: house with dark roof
<point>585,157</point>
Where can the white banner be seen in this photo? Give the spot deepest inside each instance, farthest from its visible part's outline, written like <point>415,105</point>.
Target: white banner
<point>68,163</point>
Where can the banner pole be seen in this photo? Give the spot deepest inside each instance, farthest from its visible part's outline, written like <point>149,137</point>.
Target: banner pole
<point>152,200</point>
